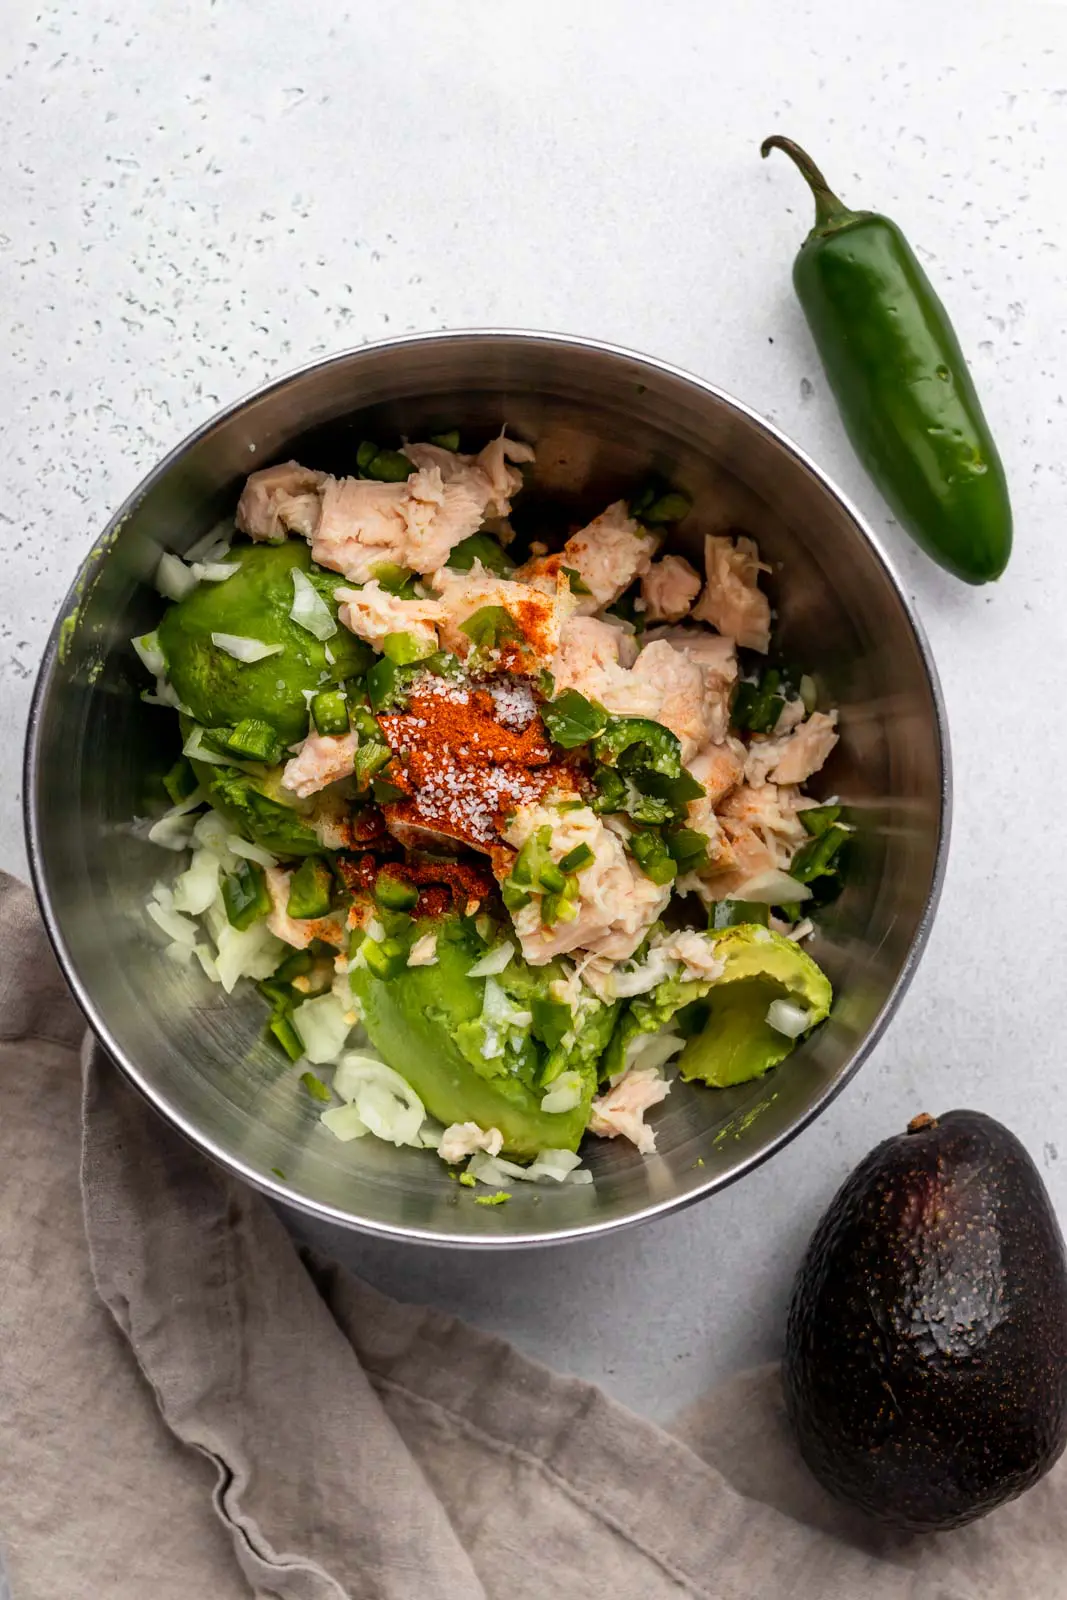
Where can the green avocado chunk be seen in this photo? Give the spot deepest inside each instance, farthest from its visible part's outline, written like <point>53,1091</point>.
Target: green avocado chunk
<point>414,1019</point>
<point>725,1019</point>
<point>254,603</point>
<point>248,802</point>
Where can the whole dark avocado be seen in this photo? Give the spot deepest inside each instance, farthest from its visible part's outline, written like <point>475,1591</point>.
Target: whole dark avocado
<point>925,1373</point>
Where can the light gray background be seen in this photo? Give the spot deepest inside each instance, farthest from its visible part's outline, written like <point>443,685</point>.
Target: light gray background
<point>198,196</point>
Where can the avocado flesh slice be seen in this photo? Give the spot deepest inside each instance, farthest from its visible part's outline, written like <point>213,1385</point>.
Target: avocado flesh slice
<point>254,603</point>
<point>729,1038</point>
<point>737,1042</point>
<point>413,1020</point>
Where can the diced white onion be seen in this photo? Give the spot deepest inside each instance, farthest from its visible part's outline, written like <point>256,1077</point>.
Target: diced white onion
<point>180,954</point>
<point>147,647</point>
<point>323,1027</point>
<point>652,1050</point>
<point>785,1016</point>
<point>251,852</point>
<point>171,830</point>
<point>386,1103</point>
<point>773,888</point>
<point>203,954</point>
<point>245,650</point>
<point>246,953</point>
<point>499,1010</point>
<point>181,929</point>
<point>214,571</point>
<point>213,544</point>
<point>493,961</point>
<point>344,1122</point>
<point>174,579</point>
<point>197,750</point>
<point>564,1094</point>
<point>309,610</point>
<point>558,1165</point>
<point>196,888</point>
<point>211,831</point>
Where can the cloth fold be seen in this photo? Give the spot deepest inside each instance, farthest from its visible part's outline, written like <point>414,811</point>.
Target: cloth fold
<point>190,1405</point>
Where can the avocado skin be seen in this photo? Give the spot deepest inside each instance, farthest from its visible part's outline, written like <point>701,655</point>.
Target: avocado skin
<point>925,1373</point>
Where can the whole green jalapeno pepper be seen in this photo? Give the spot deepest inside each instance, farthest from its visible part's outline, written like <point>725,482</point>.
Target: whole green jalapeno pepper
<point>902,386</point>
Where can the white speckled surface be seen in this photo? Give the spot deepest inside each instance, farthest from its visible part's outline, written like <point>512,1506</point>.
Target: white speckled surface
<point>197,196</point>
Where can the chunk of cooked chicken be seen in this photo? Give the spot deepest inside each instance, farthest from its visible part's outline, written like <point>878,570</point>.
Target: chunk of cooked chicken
<point>795,757</point>
<point>751,857</point>
<point>717,658</point>
<point>771,811</point>
<point>537,618</point>
<point>593,657</point>
<point>668,589</point>
<point>622,1110</point>
<point>322,759</point>
<point>732,600</point>
<point>608,554</point>
<point>488,477</point>
<point>299,931</point>
<point>372,613</point>
<point>462,1139</point>
<point>682,689</point>
<point>617,905</point>
<point>280,500</point>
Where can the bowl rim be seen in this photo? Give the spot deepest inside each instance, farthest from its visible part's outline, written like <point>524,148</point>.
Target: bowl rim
<point>279,1190</point>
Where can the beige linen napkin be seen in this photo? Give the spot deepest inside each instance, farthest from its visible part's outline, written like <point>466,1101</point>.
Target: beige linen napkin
<point>191,1408</point>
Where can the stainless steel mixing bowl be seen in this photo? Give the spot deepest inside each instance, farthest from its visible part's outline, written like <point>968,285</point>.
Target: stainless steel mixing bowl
<point>602,418</point>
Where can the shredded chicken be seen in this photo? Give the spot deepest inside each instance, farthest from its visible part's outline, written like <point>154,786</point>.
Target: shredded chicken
<point>770,811</point>
<point>372,613</point>
<point>622,1110</point>
<point>487,478</point>
<point>608,555</point>
<point>796,757</point>
<point>537,618</point>
<point>668,589</point>
<point>280,500</point>
<point>732,600</point>
<point>323,759</point>
<point>618,903</point>
<point>717,658</point>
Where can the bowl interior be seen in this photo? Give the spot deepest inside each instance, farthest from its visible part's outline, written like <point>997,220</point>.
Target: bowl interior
<point>601,421</point>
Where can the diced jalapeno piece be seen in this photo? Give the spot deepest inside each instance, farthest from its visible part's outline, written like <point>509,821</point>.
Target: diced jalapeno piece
<point>552,1020</point>
<point>558,908</point>
<point>577,858</point>
<point>766,707</point>
<point>297,964</point>
<point>180,781</point>
<point>371,757</point>
<point>315,1087</point>
<point>388,466</point>
<point>245,895</point>
<point>255,740</point>
<point>818,856</point>
<point>282,1030</point>
<point>446,441</point>
<point>653,857</point>
<point>654,747</point>
<point>393,577</point>
<point>403,648</point>
<point>551,877</point>
<point>381,683</point>
<point>329,712</point>
<point>688,848</point>
<point>611,792</point>
<point>819,819</point>
<point>732,913</point>
<point>396,894</point>
<point>386,959</point>
<point>310,889</point>
<point>670,507</point>
<point>366,454</point>
<point>279,994</point>
<point>514,895</point>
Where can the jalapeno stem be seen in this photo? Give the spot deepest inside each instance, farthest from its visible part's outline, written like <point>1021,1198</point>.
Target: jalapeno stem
<point>828,208</point>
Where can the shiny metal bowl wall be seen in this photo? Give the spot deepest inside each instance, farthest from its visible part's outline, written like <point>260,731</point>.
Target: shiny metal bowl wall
<point>602,419</point>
